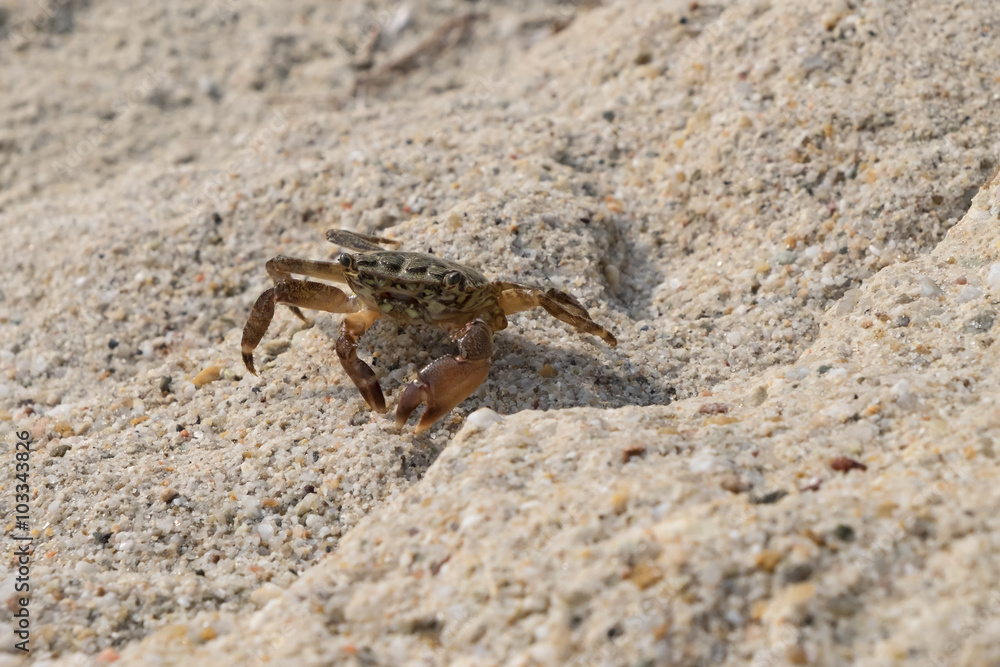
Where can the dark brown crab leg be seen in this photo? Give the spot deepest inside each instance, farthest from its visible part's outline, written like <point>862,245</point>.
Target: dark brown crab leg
<point>281,268</point>
<point>560,305</point>
<point>316,296</point>
<point>447,381</point>
<point>351,329</point>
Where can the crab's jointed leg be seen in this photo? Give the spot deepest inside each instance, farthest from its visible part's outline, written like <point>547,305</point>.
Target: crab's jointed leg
<point>355,241</point>
<point>361,374</point>
<point>447,381</point>
<point>281,268</point>
<point>560,305</point>
<point>301,293</point>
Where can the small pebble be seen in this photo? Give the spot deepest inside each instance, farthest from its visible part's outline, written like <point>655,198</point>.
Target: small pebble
<point>734,484</point>
<point>266,531</point>
<point>769,498</point>
<point>796,374</point>
<point>108,655</point>
<point>980,322</point>
<point>768,559</point>
<point>845,464</point>
<point>929,288</point>
<point>703,463</point>
<point>645,574</point>
<point>812,484</point>
<point>210,374</point>
<point>59,451</point>
<point>483,418</point>
<point>847,303</point>
<point>797,573</point>
<point>969,293</point>
<point>265,594</point>
<point>993,277</point>
<point>619,501</point>
<point>844,533</point>
<point>784,258</point>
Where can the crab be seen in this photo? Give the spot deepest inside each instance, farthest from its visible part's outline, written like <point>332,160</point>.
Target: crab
<point>408,287</point>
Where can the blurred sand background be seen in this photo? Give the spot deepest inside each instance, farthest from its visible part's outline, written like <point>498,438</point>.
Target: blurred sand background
<point>787,212</point>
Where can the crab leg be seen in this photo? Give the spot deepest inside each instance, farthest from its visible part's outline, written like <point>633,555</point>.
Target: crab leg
<point>315,296</point>
<point>281,268</point>
<point>447,381</point>
<point>351,329</point>
<point>560,305</point>
<point>356,241</point>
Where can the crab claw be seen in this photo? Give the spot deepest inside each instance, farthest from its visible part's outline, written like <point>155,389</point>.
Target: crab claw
<point>248,362</point>
<point>414,394</point>
<point>442,384</point>
<point>256,326</point>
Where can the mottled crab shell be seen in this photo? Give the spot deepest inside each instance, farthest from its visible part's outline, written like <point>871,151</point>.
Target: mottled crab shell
<point>412,286</point>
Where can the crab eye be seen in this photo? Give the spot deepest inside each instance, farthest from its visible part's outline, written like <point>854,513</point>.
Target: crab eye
<point>346,261</point>
<point>453,279</point>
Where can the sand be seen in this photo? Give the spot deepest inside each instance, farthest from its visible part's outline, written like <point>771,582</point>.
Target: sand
<point>786,212</point>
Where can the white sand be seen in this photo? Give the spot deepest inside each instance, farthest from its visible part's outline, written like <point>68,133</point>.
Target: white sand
<point>769,205</point>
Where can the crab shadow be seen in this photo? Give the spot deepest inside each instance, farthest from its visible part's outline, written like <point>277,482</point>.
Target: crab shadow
<point>640,257</point>
<point>527,375</point>
<point>573,371</point>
